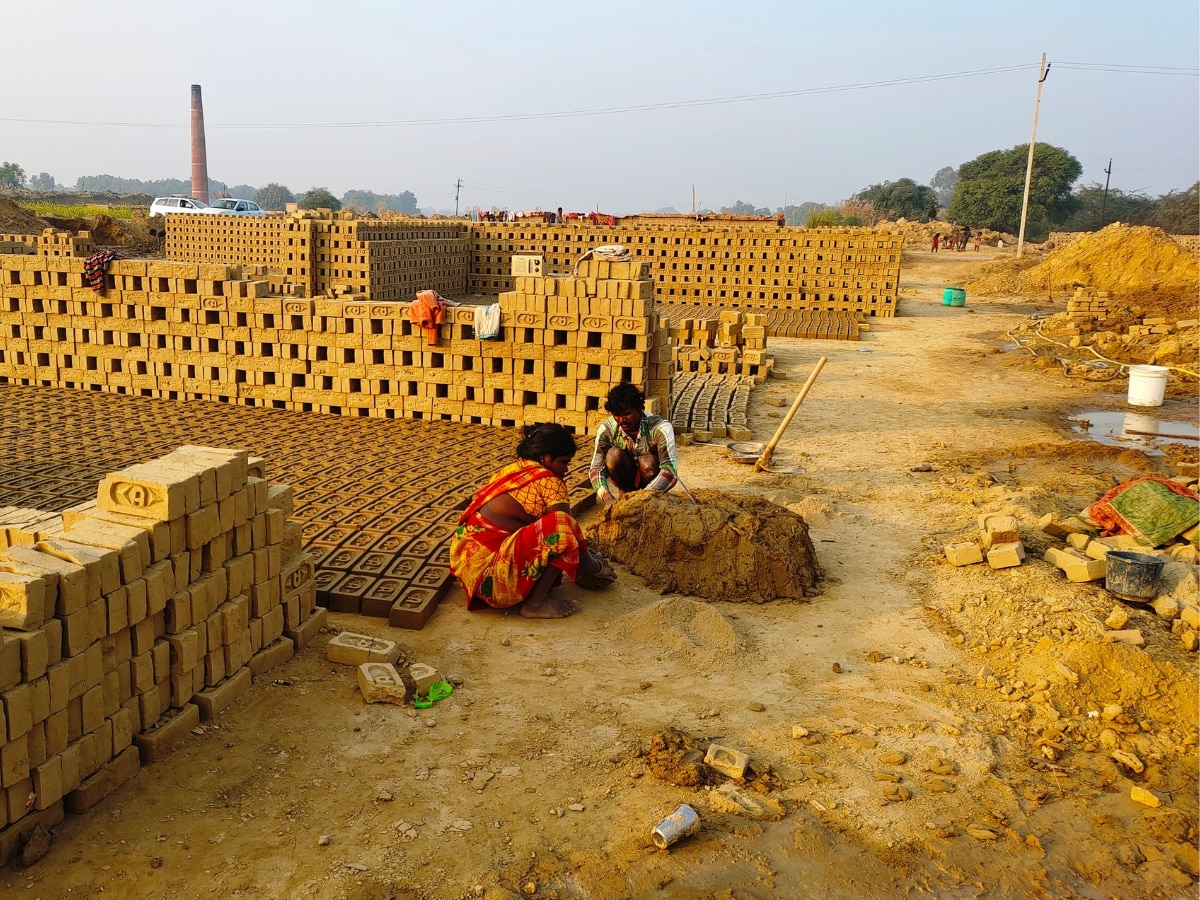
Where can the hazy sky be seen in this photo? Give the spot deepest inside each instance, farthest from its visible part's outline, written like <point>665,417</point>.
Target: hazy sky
<point>298,62</point>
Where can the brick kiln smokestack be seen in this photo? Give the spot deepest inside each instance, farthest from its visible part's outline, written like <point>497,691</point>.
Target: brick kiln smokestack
<point>199,155</point>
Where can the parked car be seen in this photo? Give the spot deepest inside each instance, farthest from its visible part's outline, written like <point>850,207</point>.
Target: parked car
<point>231,206</point>
<point>163,205</point>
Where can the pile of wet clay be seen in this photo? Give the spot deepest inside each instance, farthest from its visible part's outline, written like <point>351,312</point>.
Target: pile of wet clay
<point>724,546</point>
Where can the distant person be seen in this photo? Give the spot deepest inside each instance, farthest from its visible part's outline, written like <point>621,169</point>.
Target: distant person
<point>560,216</point>
<point>781,220</point>
<point>936,240</point>
<point>635,450</point>
<point>966,236</point>
<point>977,241</point>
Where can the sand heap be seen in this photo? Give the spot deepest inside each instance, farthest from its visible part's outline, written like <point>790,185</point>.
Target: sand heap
<point>728,547</point>
<point>1130,261</point>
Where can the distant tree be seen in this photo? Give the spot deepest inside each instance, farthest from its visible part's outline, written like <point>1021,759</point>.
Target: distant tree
<point>319,198</point>
<point>1179,211</point>
<point>1120,206</point>
<point>274,196</point>
<point>243,191</point>
<point>903,199</point>
<point>369,201</point>
<point>823,218</point>
<point>43,181</point>
<point>12,176</point>
<point>742,208</point>
<point>162,187</point>
<point>798,215</point>
<point>990,188</point>
<point>943,184</point>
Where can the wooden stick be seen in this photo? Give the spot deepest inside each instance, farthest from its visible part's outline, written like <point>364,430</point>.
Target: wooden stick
<point>764,461</point>
<point>1164,434</point>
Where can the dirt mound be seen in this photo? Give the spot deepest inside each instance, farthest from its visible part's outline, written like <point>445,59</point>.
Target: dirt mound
<point>725,547</point>
<point>1130,261</point>
<point>680,628</point>
<point>15,219</point>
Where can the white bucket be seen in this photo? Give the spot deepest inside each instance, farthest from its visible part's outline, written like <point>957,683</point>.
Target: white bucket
<point>1147,384</point>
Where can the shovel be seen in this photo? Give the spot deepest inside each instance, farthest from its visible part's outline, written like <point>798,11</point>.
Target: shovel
<point>764,461</point>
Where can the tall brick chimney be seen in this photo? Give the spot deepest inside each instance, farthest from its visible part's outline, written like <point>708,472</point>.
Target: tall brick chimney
<point>199,154</point>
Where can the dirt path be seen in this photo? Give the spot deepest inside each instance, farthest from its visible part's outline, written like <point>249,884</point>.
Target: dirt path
<point>531,780</point>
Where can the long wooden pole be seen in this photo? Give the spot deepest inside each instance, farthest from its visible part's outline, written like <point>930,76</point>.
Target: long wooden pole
<point>764,461</point>
<point>1037,104</point>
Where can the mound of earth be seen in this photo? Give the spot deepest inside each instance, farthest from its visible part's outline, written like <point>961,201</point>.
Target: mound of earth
<point>681,628</point>
<point>16,219</point>
<point>1130,261</point>
<point>723,547</point>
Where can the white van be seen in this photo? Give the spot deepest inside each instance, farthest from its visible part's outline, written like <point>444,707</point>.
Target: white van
<point>163,205</point>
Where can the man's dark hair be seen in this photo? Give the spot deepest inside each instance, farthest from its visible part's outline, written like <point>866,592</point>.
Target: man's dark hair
<point>625,398</point>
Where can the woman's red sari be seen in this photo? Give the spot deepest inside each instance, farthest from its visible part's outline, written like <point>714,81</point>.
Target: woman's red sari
<point>500,567</point>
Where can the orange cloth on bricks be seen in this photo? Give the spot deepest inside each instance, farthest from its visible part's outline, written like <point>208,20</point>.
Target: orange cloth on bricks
<point>499,568</point>
<point>428,312</point>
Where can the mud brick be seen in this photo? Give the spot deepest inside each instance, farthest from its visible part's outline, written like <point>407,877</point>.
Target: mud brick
<point>309,629</point>
<point>963,553</point>
<point>161,740</point>
<point>273,623</point>
<point>143,634</point>
<point>160,585</point>
<point>23,601</point>
<point>124,727</point>
<point>264,597</point>
<point>997,529</point>
<point>381,596</point>
<point>414,607</point>
<point>270,657</point>
<point>212,702</point>
<point>102,566</point>
<point>110,777</point>
<point>346,594</point>
<point>17,704</point>
<point>14,761</point>
<point>235,617</point>
<point>1006,555</point>
<point>424,676</point>
<point>323,580</point>
<point>379,682</point>
<point>35,654</point>
<point>238,652</point>
<point>177,615</point>
<point>47,782</point>
<point>10,662</point>
<point>202,526</point>
<point>132,545</point>
<point>726,760</point>
<point>71,590</point>
<point>158,534</point>
<point>93,708</point>
<point>117,607</point>
<point>214,668</point>
<point>353,649</point>
<point>150,491</point>
<point>184,650</point>
<point>183,686</point>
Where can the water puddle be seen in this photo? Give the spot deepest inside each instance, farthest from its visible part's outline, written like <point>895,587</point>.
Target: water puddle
<point>1132,429</point>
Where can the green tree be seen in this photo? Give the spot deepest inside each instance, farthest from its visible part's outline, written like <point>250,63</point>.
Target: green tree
<point>274,196</point>
<point>319,198</point>
<point>1179,211</point>
<point>43,182</point>
<point>799,214</point>
<point>12,176</point>
<point>243,192</point>
<point>903,199</point>
<point>742,208</point>
<point>990,188</point>
<point>1120,206</point>
<point>943,183</point>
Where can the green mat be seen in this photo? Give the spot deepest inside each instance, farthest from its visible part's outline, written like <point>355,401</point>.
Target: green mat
<point>1155,511</point>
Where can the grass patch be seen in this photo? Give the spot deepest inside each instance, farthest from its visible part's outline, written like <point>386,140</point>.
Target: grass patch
<point>78,210</point>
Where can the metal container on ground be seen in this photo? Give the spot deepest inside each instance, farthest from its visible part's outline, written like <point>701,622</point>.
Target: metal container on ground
<point>953,296</point>
<point>681,823</point>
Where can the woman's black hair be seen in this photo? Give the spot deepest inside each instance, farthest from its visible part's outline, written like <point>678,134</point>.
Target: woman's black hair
<point>625,398</point>
<point>550,439</point>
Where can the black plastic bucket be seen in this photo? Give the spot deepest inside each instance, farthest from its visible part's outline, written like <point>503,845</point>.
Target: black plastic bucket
<point>1133,576</point>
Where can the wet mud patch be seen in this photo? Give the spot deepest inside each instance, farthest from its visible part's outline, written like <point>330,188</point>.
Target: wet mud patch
<point>724,546</point>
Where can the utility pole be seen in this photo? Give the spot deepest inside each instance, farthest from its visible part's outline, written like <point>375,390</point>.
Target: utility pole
<point>1043,71</point>
<point>457,188</point>
<point>1104,200</point>
<point>693,201</point>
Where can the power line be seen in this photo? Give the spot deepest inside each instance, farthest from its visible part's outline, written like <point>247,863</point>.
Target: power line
<point>563,114</point>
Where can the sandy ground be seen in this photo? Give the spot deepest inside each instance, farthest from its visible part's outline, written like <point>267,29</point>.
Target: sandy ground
<point>532,779</point>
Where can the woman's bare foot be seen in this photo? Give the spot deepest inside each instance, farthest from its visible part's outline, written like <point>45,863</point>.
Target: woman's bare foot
<point>549,607</point>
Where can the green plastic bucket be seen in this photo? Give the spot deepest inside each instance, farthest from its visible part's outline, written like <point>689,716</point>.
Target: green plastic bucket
<point>954,297</point>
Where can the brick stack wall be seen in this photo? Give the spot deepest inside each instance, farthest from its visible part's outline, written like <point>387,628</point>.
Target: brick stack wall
<point>129,618</point>
<point>734,344</point>
<point>744,266</point>
<point>203,331</point>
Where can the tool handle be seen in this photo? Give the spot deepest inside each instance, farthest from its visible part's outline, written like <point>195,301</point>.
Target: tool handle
<point>765,460</point>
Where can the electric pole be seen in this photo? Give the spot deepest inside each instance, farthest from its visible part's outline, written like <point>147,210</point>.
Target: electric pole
<point>1043,71</point>
<point>1104,200</point>
<point>457,188</point>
